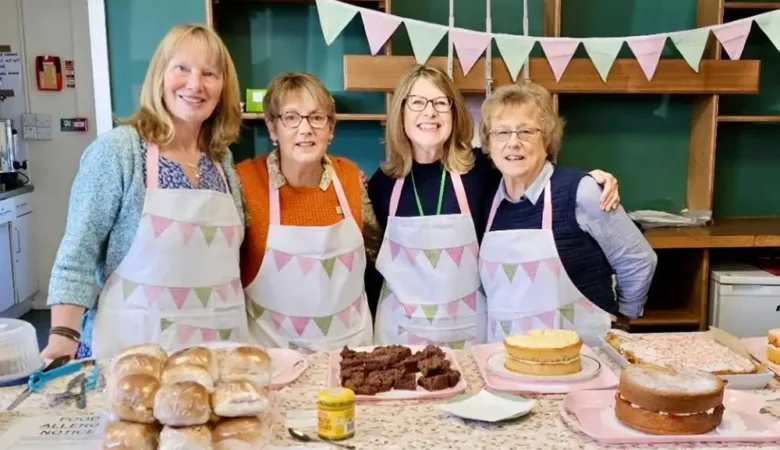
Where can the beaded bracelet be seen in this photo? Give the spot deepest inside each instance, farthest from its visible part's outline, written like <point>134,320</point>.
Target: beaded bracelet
<point>69,333</point>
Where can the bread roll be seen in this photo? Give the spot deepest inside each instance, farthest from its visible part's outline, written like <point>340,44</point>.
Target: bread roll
<point>137,364</point>
<point>130,436</point>
<point>246,363</point>
<point>188,372</point>
<point>182,404</point>
<point>238,399</point>
<point>243,433</point>
<point>152,350</point>
<point>199,356</point>
<point>132,398</point>
<point>188,438</point>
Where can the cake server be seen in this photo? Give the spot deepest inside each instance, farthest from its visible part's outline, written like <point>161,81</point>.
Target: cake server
<point>303,437</point>
<point>55,364</point>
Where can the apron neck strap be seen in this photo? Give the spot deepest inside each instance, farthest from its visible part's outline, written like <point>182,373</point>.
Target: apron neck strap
<point>153,168</point>
<point>276,216</point>
<point>457,183</point>
<point>546,210</point>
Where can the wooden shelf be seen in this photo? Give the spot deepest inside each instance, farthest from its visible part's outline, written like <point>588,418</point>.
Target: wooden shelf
<point>339,117</point>
<point>752,5</point>
<point>673,76</point>
<point>750,119</point>
<point>666,317</point>
<point>722,233</point>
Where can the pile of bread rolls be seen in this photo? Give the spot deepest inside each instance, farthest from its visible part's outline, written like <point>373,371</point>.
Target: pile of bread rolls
<point>193,399</point>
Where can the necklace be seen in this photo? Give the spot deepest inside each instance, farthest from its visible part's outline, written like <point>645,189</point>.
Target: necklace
<point>195,169</point>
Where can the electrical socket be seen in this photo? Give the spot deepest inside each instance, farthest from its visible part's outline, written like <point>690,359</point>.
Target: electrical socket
<point>44,133</point>
<point>28,120</point>
<point>29,133</point>
<point>43,120</point>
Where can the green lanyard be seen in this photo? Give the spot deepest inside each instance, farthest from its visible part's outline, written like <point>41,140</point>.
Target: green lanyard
<point>441,193</point>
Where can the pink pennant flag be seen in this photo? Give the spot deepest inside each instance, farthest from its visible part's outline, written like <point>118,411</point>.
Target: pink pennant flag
<point>277,319</point>
<point>452,308</point>
<point>470,45</point>
<point>410,309</point>
<point>493,324</point>
<point>555,265</point>
<point>236,284</point>
<point>345,315</point>
<point>222,292</point>
<point>111,281</point>
<point>229,231</point>
<point>490,268</point>
<point>411,253</point>
<point>733,36</point>
<point>456,254</point>
<point>548,318</point>
<point>281,259</point>
<point>394,249</point>
<point>299,323</point>
<point>305,263</point>
<point>396,304</point>
<point>474,249</point>
<point>159,224</point>
<point>586,304</point>
<point>647,50</point>
<point>187,230</point>
<point>179,295</point>
<point>208,335</point>
<point>471,301</point>
<point>152,293</point>
<point>530,268</point>
<point>356,303</point>
<point>347,259</point>
<point>524,323</point>
<point>379,27</point>
<point>559,52</point>
<point>184,332</point>
<point>415,340</point>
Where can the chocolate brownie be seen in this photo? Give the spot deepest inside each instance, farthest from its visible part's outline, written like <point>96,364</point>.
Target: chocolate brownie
<point>440,382</point>
<point>384,380</point>
<point>407,382</point>
<point>433,366</point>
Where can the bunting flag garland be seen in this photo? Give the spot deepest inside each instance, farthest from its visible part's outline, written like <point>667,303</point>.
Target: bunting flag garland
<point>433,255</point>
<point>546,319</point>
<point>127,288</point>
<point>419,340</point>
<point>185,332</point>
<point>334,15</point>
<point>300,324</point>
<point>186,230</point>
<point>161,224</point>
<point>150,294</point>
<point>509,270</point>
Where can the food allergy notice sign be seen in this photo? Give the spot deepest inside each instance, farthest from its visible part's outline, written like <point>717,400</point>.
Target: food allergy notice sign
<point>63,432</point>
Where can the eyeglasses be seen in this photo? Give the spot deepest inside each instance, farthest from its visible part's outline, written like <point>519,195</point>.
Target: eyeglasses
<point>293,119</point>
<point>525,135</point>
<point>418,103</point>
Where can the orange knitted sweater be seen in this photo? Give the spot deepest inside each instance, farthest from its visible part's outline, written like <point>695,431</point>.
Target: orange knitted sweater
<point>298,205</point>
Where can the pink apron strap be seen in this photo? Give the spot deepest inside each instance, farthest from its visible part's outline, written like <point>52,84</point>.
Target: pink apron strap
<point>494,207</point>
<point>399,185</point>
<point>547,211</point>
<point>343,203</point>
<point>275,214</point>
<point>152,166</point>
<point>222,174</point>
<point>460,192</point>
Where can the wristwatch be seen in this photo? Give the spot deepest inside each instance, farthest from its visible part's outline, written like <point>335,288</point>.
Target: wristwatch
<point>622,323</point>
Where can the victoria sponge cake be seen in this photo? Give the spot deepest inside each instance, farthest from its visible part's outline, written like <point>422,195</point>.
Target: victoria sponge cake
<point>544,352</point>
<point>773,346</point>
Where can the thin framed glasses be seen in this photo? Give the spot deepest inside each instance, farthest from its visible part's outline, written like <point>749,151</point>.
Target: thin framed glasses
<point>293,119</point>
<point>418,103</point>
<point>525,135</point>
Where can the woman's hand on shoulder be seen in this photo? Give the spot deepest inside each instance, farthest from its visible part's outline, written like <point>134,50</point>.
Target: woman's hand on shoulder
<point>610,197</point>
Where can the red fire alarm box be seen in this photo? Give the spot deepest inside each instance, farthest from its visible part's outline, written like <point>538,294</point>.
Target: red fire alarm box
<point>48,71</point>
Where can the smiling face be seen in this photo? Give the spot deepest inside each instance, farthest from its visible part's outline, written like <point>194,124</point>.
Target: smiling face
<point>192,83</point>
<point>517,157</point>
<point>302,129</point>
<point>427,117</point>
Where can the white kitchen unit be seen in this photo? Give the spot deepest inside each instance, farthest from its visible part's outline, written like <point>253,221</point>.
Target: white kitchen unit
<point>7,290</point>
<point>744,300</point>
<point>18,272</point>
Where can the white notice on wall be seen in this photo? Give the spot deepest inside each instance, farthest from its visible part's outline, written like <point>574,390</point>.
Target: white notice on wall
<point>11,72</point>
<point>63,432</point>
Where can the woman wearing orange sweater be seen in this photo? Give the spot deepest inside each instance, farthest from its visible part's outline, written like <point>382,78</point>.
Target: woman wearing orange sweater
<point>304,258</point>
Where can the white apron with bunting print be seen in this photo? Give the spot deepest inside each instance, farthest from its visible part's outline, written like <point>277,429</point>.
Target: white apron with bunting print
<point>527,287</point>
<point>179,284</point>
<point>309,293</point>
<point>431,292</point>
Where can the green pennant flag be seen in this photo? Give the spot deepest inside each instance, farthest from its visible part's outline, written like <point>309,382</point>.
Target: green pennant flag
<point>433,255</point>
<point>424,38</point>
<point>292,346</point>
<point>400,330</point>
<point>506,325</point>
<point>208,233</point>
<point>127,288</point>
<point>203,293</point>
<point>509,270</point>
<point>430,311</point>
<point>602,52</point>
<point>334,17</point>
<point>691,45</point>
<point>458,345</point>
<point>770,25</point>
<point>324,323</point>
<point>256,311</point>
<point>164,324</point>
<point>385,292</point>
<point>224,334</point>
<point>328,265</point>
<point>567,312</point>
<point>514,50</point>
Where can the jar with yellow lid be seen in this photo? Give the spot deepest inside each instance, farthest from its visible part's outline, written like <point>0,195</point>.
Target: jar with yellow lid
<point>336,414</point>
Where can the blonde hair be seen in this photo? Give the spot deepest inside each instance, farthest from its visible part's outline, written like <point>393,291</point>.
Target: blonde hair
<point>303,85</point>
<point>153,121</point>
<point>458,156</point>
<point>518,95</point>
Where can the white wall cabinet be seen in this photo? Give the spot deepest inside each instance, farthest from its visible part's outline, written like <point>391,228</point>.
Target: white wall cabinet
<point>7,289</point>
<point>18,272</point>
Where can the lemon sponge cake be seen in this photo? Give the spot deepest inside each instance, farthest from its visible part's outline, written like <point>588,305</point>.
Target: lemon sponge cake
<point>544,352</point>
<point>773,346</point>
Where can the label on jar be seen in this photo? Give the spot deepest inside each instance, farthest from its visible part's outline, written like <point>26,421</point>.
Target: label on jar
<point>336,424</point>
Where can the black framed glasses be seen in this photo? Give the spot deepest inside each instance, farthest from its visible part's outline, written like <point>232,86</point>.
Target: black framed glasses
<point>418,103</point>
<point>293,119</point>
<point>524,135</point>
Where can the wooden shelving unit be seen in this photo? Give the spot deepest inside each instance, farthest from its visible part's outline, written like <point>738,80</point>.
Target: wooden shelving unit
<point>723,233</point>
<point>750,119</point>
<point>764,6</point>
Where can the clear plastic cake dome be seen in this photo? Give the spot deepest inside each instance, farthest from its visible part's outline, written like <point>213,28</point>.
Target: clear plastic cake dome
<point>19,354</point>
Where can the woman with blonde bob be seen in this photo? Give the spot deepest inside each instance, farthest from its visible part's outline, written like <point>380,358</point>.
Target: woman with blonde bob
<point>155,215</point>
<point>428,197</point>
<point>546,224</point>
<point>310,227</point>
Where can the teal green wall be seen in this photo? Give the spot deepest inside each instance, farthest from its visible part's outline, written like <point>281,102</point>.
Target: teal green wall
<point>642,139</point>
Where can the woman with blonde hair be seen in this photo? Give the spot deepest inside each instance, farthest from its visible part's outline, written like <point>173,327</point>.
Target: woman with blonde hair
<point>155,215</point>
<point>546,223</point>
<point>311,227</point>
<point>428,197</point>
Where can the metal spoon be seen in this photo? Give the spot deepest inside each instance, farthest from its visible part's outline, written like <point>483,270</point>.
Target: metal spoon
<point>303,437</point>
